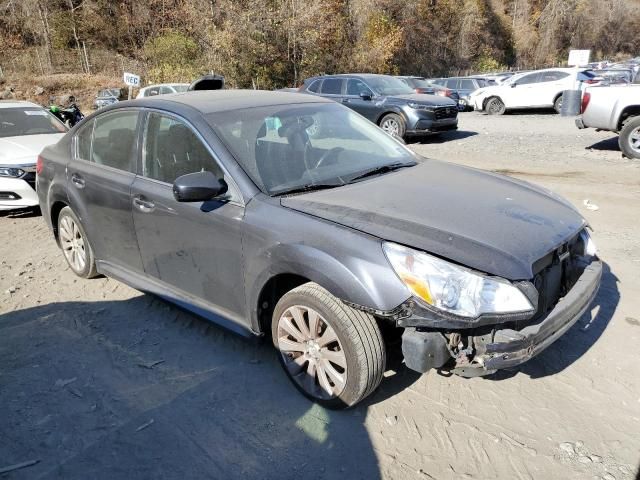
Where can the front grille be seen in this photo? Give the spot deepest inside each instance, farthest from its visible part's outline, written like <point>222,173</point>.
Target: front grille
<point>559,272</point>
<point>30,178</point>
<point>446,112</point>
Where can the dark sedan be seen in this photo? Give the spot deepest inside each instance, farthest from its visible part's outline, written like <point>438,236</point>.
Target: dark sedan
<point>291,216</point>
<point>388,102</point>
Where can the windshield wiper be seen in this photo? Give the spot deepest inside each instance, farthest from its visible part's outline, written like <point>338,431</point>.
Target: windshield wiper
<point>381,169</point>
<point>310,187</point>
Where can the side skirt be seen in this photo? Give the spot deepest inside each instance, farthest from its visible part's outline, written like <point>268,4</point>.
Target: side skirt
<point>179,298</point>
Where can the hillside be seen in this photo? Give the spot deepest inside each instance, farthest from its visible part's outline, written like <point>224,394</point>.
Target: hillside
<point>275,43</point>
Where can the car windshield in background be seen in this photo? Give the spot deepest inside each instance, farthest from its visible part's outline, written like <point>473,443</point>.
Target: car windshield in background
<point>383,85</point>
<point>15,122</point>
<point>180,88</point>
<point>303,147</point>
<point>114,92</point>
<point>420,83</point>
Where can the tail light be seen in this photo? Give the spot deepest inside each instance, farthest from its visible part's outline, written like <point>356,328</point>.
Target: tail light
<point>591,81</point>
<point>39,165</point>
<point>586,98</point>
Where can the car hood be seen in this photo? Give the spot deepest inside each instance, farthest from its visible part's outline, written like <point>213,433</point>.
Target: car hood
<point>26,148</point>
<point>422,98</point>
<point>485,221</point>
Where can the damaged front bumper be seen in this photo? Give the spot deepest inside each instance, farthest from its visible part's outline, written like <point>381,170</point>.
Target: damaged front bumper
<point>503,347</point>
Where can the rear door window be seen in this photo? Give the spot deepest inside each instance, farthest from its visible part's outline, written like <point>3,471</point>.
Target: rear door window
<point>315,86</point>
<point>467,84</point>
<point>114,137</point>
<point>83,141</point>
<point>452,83</point>
<point>332,86</point>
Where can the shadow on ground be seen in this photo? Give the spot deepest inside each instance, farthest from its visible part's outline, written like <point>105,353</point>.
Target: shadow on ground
<point>579,339</point>
<point>610,144</point>
<point>138,389</point>
<point>441,137</point>
<point>22,213</point>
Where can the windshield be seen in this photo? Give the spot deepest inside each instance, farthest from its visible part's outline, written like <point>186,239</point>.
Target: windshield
<point>113,92</point>
<point>288,147</point>
<point>384,85</point>
<point>421,83</point>
<point>180,88</point>
<point>15,122</point>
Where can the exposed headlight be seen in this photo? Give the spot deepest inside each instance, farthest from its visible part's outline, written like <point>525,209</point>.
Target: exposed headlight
<point>11,172</point>
<point>420,106</point>
<point>589,245</point>
<point>452,288</point>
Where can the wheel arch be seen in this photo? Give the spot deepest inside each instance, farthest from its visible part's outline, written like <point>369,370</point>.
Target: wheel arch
<point>396,111</point>
<point>285,267</point>
<point>627,112</point>
<point>56,208</point>
<point>491,97</point>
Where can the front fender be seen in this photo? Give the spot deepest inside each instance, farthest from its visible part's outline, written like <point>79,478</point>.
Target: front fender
<point>348,263</point>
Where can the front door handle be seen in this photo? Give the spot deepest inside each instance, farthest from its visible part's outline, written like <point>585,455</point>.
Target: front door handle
<point>143,204</point>
<point>77,180</point>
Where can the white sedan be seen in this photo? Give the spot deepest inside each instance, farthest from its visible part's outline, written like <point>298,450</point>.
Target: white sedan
<point>162,89</point>
<point>539,89</point>
<point>25,129</point>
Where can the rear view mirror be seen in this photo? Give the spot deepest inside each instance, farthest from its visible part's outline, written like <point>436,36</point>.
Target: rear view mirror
<point>198,187</point>
<point>365,95</point>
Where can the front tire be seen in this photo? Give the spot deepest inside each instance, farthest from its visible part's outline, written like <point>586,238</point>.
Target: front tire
<point>332,353</point>
<point>495,106</point>
<point>394,125</point>
<point>629,139</point>
<point>75,245</point>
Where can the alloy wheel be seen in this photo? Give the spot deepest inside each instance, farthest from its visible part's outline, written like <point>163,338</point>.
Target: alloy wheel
<point>390,126</point>
<point>634,140</point>
<point>311,352</point>
<point>73,244</point>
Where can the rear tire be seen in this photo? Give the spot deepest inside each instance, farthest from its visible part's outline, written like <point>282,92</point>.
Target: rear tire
<point>557,105</point>
<point>629,139</point>
<point>75,244</point>
<point>495,106</point>
<point>394,125</point>
<point>332,353</point>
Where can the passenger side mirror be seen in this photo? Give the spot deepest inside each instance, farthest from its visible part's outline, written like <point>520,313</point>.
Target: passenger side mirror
<point>365,96</point>
<point>198,187</point>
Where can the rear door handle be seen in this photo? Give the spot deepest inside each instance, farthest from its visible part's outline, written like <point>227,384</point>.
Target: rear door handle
<point>143,205</point>
<point>77,180</point>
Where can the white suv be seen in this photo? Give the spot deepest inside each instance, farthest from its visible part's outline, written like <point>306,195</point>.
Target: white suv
<point>539,89</point>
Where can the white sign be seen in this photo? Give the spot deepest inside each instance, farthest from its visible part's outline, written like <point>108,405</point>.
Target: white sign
<point>131,79</point>
<point>579,58</point>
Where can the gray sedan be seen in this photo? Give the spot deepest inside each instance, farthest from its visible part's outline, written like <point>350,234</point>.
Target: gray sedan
<point>293,217</point>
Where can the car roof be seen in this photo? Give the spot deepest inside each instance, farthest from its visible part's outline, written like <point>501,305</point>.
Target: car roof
<point>17,104</point>
<point>212,101</point>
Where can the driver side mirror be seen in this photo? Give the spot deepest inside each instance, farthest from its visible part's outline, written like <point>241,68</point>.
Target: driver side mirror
<point>198,187</point>
<point>365,96</point>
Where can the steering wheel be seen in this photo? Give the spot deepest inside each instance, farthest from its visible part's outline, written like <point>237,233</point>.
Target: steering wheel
<point>333,151</point>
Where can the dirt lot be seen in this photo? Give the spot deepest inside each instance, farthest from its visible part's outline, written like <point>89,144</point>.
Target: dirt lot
<point>98,380</point>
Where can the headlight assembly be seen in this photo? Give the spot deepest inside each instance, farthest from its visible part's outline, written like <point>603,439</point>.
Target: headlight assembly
<point>11,172</point>
<point>454,289</point>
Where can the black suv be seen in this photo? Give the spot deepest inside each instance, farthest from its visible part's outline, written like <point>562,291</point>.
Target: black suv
<point>388,102</point>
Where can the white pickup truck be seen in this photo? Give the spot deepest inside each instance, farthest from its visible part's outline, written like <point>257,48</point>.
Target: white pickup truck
<point>617,109</point>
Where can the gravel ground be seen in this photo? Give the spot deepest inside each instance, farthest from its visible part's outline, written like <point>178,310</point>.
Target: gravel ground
<point>98,380</point>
